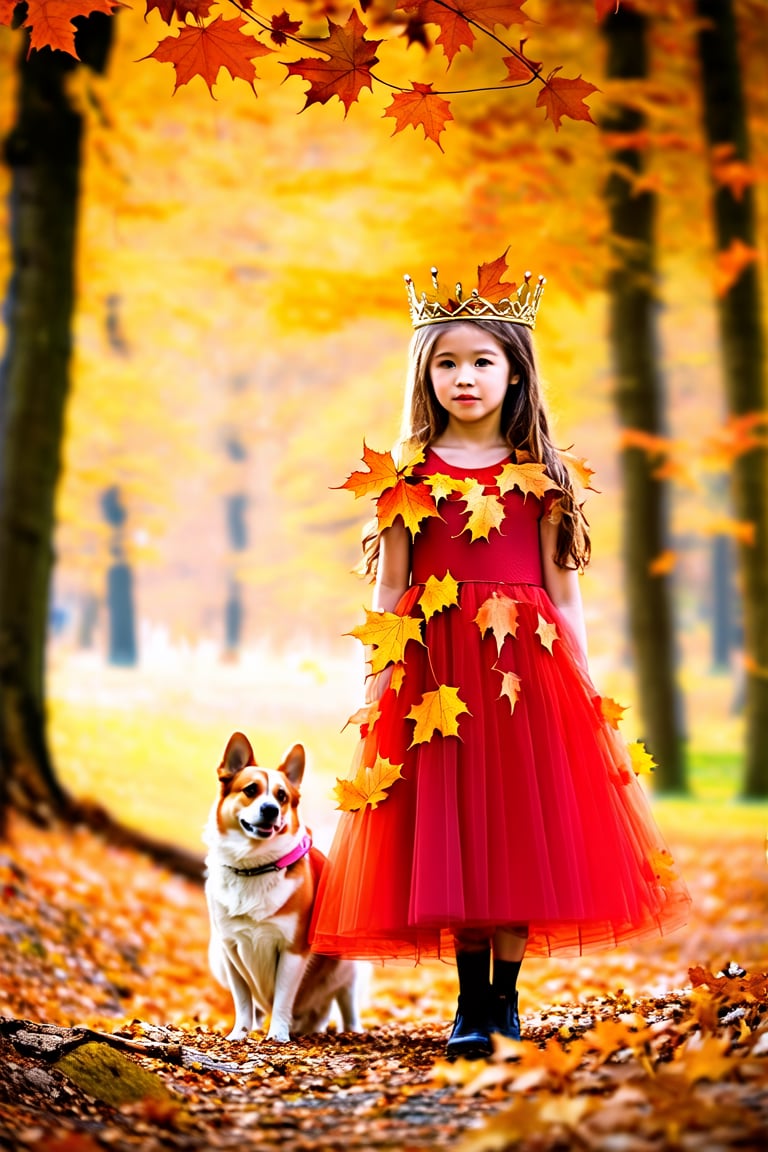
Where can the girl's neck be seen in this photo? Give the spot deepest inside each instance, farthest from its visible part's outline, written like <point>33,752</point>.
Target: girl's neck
<point>473,451</point>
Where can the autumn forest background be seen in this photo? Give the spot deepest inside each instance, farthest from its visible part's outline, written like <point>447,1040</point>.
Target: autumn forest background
<point>239,326</point>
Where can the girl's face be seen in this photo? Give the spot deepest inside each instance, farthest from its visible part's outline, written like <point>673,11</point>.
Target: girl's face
<point>470,374</point>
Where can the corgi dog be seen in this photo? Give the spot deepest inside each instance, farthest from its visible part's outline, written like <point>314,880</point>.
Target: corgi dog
<point>261,876</point>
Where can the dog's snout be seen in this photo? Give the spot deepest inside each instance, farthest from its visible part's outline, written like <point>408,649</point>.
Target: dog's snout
<point>269,811</point>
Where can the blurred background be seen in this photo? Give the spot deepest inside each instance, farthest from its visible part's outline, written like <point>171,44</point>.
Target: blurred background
<point>241,325</point>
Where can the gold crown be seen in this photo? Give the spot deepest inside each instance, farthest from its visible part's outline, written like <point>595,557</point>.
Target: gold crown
<point>518,307</point>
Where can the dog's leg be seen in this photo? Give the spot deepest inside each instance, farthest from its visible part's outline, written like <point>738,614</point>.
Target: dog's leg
<point>346,998</point>
<point>243,1001</point>
<point>290,969</point>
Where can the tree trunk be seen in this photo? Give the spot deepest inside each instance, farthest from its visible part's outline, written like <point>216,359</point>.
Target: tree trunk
<point>741,333</point>
<point>43,153</point>
<point>639,403</point>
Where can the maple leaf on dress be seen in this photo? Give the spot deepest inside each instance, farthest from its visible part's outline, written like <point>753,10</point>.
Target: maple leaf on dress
<point>438,594</point>
<point>382,474</point>
<point>204,51</point>
<point>348,69</point>
<point>397,677</point>
<point>499,614</point>
<point>421,107</point>
<point>437,711</point>
<point>369,785</point>
<point>562,96</point>
<point>283,27</point>
<point>546,632</point>
<point>486,510</point>
<point>531,478</point>
<point>663,866</point>
<point>642,761</point>
<point>51,24</point>
<point>365,717</point>
<point>510,687</point>
<point>441,486</point>
<point>413,502</point>
<point>611,711</point>
<point>388,634</point>
<point>167,9</point>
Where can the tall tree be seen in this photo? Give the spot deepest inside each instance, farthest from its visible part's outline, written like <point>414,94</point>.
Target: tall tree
<point>743,349</point>
<point>639,402</point>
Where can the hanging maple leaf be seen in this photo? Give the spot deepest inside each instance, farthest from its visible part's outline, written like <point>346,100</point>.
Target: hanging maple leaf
<point>204,51</point>
<point>438,594</point>
<point>611,711</point>
<point>382,474</point>
<point>490,279</point>
<point>561,96</point>
<point>51,24</point>
<point>437,711</point>
<point>167,9</point>
<point>421,107</point>
<point>282,27</point>
<point>369,785</point>
<point>520,68</point>
<point>388,634</point>
<point>453,19</point>
<point>642,761</point>
<point>531,478</point>
<point>346,71</point>
<point>486,510</point>
<point>499,614</point>
<point>510,687</point>
<point>546,632</point>
<point>413,502</point>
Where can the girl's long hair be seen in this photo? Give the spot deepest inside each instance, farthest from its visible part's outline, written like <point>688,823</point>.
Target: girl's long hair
<point>524,426</point>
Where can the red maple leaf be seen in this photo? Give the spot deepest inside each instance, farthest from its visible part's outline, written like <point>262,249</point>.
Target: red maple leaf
<point>519,68</point>
<point>347,71</point>
<point>180,9</point>
<point>605,8</point>
<point>283,27</point>
<point>421,106</point>
<point>564,97</point>
<point>455,20</point>
<point>51,21</point>
<point>7,9</point>
<point>203,51</point>
<point>490,279</point>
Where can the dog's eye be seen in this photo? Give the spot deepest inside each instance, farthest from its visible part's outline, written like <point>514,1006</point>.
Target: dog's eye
<point>281,797</point>
<point>251,790</point>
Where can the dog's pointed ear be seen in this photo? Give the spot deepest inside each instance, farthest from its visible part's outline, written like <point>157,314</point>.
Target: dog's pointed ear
<point>293,765</point>
<point>237,754</point>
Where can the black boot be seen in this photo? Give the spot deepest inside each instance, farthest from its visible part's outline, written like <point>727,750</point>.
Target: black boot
<point>470,1036</point>
<point>505,1018</point>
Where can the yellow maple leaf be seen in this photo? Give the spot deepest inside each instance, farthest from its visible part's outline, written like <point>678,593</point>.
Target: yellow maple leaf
<point>388,634</point>
<point>369,785</point>
<point>527,477</point>
<point>546,632</point>
<point>663,866</point>
<point>438,594</point>
<point>397,677</point>
<point>414,502</point>
<point>437,711</point>
<point>579,471</point>
<point>441,486</point>
<point>642,761</point>
<point>499,613</point>
<point>510,687</point>
<point>486,510</point>
<point>611,711</point>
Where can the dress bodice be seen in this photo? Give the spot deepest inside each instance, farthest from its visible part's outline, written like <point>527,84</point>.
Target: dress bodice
<point>511,554</point>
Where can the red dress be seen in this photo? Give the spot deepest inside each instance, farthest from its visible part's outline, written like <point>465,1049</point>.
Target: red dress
<point>532,813</point>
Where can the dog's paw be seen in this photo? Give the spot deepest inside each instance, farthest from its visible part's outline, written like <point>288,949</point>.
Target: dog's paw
<point>281,1035</point>
<point>239,1034</point>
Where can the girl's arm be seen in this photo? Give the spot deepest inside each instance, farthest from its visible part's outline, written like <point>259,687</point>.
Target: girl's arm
<point>562,584</point>
<point>392,579</point>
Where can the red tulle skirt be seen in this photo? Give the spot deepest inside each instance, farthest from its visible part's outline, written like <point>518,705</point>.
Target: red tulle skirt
<point>532,815</point>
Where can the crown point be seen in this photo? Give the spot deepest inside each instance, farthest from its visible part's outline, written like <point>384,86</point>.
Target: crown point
<point>528,275</point>
<point>407,279</point>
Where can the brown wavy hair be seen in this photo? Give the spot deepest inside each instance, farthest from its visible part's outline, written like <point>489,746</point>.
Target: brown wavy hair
<point>524,426</point>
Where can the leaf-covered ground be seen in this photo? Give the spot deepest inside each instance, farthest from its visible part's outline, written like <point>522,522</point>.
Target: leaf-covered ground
<point>634,1050</point>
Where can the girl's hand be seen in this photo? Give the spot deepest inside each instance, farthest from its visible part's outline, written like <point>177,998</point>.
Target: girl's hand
<point>376,684</point>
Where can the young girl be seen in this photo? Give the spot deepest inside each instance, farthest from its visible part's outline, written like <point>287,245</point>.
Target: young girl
<point>491,807</point>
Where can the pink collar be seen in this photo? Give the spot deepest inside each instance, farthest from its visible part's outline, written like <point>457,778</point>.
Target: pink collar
<point>291,857</point>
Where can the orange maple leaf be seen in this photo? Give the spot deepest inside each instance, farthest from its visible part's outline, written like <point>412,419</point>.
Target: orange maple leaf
<point>531,478</point>
<point>437,711</point>
<point>51,24</point>
<point>546,632</point>
<point>609,1036</point>
<point>605,8</point>
<point>205,50</point>
<point>579,471</point>
<point>388,634</point>
<point>454,19</point>
<point>282,27</point>
<point>561,96</point>
<point>490,279</point>
<point>348,69</point>
<point>382,474</point>
<point>369,785</point>
<point>730,263</point>
<point>167,9</point>
<point>486,510</point>
<point>705,1058</point>
<point>510,687</point>
<point>519,68</point>
<point>438,594</point>
<point>7,9</point>
<point>499,614</point>
<point>663,564</point>
<point>420,107</point>
<point>611,711</point>
<point>642,761</point>
<point>414,502</point>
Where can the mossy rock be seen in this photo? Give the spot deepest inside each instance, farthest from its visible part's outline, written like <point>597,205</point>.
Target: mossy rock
<point>107,1075</point>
